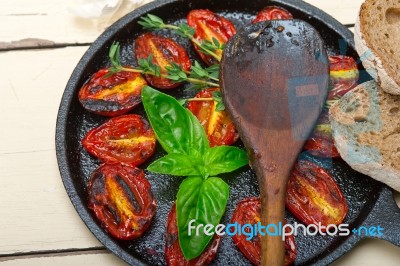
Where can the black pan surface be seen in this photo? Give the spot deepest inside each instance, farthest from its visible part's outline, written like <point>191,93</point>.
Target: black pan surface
<point>365,197</point>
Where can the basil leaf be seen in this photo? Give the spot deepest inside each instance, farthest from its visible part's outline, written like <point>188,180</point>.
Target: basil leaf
<point>176,128</point>
<point>205,202</point>
<point>175,164</point>
<point>224,159</point>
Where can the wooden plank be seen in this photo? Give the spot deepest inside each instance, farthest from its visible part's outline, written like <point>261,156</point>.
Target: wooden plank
<point>368,253</point>
<point>36,213</point>
<point>344,11</point>
<point>28,21</point>
<point>32,86</point>
<point>98,258</point>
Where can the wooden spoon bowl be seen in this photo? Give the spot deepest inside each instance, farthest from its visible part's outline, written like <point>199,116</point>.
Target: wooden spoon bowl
<point>274,79</point>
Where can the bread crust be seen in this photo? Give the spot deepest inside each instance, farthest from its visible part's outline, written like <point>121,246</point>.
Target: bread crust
<point>371,61</point>
<point>377,171</point>
<point>347,142</point>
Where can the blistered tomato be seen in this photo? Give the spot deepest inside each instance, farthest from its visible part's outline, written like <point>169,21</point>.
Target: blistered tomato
<point>209,26</point>
<point>313,196</point>
<point>248,211</point>
<point>126,139</point>
<point>164,51</point>
<point>121,199</point>
<point>111,95</point>
<point>272,13</point>
<point>320,143</point>
<point>343,74</point>
<point>217,124</point>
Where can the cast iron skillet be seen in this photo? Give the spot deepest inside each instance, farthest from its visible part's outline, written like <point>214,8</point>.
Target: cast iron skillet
<point>370,203</point>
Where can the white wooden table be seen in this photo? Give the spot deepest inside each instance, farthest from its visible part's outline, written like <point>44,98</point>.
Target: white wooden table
<point>40,44</point>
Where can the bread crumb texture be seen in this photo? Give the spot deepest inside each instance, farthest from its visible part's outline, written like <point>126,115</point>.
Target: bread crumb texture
<point>366,129</point>
<point>380,28</point>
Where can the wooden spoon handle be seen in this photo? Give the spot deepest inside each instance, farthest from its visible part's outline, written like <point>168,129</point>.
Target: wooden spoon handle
<point>273,185</point>
<point>273,198</point>
<point>273,204</point>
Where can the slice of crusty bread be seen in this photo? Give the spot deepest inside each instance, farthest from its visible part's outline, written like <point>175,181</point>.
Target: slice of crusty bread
<point>377,39</point>
<point>366,129</point>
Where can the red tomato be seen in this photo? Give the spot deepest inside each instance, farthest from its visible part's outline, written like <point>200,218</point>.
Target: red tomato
<point>343,78</point>
<point>217,124</point>
<point>313,196</point>
<point>173,253</point>
<point>343,75</point>
<point>209,25</point>
<point>321,147</point>
<point>248,211</point>
<point>113,95</point>
<point>272,13</point>
<point>121,198</point>
<point>126,139</point>
<point>165,51</point>
<point>321,143</point>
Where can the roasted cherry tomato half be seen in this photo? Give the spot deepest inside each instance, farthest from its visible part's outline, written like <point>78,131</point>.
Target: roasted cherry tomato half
<point>126,139</point>
<point>111,95</point>
<point>173,253</point>
<point>121,199</point>
<point>321,143</point>
<point>343,74</point>
<point>321,147</point>
<point>313,196</point>
<point>209,26</point>
<point>271,13</point>
<point>248,211</point>
<point>217,124</point>
<point>164,51</point>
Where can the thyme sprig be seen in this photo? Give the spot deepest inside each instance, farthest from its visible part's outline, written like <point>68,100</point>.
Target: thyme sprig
<point>211,72</point>
<point>152,22</point>
<point>145,65</point>
<point>216,96</point>
<point>199,77</point>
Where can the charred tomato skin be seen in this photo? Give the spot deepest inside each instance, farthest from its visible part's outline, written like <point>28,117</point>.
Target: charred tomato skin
<point>313,195</point>
<point>111,95</point>
<point>126,139</point>
<point>122,200</point>
<point>248,211</point>
<point>165,51</point>
<point>209,25</point>
<point>272,13</point>
<point>173,253</point>
<point>219,127</point>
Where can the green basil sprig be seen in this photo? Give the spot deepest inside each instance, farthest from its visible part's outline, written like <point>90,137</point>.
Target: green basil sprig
<point>201,196</point>
<point>203,201</point>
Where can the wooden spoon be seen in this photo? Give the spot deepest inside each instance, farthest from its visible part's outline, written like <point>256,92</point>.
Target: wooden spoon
<point>274,78</point>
